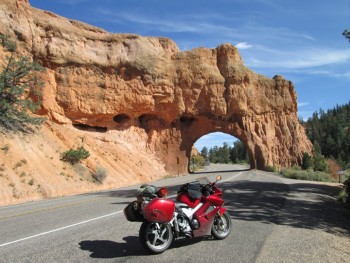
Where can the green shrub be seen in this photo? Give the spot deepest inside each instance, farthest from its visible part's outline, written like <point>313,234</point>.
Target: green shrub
<point>342,195</point>
<point>31,182</point>
<point>20,163</point>
<point>270,168</point>
<point>5,148</point>
<point>296,172</point>
<point>100,174</point>
<point>73,156</point>
<point>198,160</point>
<point>320,163</point>
<point>307,162</point>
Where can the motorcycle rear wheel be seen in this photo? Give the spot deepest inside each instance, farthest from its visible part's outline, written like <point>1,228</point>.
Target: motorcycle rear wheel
<point>222,226</point>
<point>155,237</point>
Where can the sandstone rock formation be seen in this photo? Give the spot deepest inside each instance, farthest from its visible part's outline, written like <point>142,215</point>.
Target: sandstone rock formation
<point>105,82</point>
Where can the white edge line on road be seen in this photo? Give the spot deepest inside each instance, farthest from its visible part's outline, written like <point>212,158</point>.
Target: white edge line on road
<point>84,222</point>
<point>59,229</point>
<point>228,179</point>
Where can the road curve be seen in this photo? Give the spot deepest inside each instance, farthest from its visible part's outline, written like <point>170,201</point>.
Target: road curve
<point>274,220</point>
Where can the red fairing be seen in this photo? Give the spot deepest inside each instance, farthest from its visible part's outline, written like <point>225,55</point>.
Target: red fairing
<point>222,210</point>
<point>215,200</point>
<point>159,210</point>
<point>186,199</point>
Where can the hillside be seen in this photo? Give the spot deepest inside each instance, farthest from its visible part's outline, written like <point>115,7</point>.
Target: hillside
<point>31,169</point>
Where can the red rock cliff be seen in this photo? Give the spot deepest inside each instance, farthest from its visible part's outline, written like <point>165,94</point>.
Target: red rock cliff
<point>98,80</point>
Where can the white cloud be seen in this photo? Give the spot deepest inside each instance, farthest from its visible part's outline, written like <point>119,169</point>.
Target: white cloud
<point>243,45</point>
<point>297,59</point>
<point>302,104</point>
<point>194,24</point>
<point>343,75</point>
<point>280,49</point>
<point>328,73</point>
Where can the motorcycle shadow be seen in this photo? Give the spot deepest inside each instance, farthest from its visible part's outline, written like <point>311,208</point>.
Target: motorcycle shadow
<point>112,249</point>
<point>182,242</point>
<point>131,247</point>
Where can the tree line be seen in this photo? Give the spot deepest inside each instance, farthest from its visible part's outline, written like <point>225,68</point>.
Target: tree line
<point>226,153</point>
<point>329,132</point>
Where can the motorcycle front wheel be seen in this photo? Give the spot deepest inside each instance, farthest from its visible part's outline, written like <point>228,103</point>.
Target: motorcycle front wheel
<point>221,226</point>
<point>156,237</point>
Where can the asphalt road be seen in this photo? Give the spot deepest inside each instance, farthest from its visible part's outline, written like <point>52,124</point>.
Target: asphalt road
<point>274,220</point>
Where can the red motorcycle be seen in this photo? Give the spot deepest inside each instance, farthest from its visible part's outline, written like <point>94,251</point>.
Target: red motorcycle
<point>197,211</point>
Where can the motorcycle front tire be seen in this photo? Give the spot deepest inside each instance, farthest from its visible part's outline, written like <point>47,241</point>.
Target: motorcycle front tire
<point>221,226</point>
<point>156,237</point>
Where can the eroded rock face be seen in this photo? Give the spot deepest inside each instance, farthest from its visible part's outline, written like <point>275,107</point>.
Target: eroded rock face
<point>116,81</point>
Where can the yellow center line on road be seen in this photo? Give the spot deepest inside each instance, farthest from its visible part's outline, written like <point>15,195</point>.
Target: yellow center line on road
<point>47,209</point>
<point>76,224</point>
<point>229,179</point>
<point>59,229</point>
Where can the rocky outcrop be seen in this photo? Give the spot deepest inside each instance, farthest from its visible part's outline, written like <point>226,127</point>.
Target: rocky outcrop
<point>103,81</point>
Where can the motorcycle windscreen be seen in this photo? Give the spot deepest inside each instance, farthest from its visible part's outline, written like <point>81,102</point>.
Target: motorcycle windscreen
<point>159,210</point>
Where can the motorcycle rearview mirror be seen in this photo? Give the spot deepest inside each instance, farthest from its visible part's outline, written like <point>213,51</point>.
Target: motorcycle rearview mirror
<point>218,178</point>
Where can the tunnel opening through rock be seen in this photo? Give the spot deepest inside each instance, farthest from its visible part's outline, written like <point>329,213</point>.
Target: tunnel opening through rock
<point>225,151</point>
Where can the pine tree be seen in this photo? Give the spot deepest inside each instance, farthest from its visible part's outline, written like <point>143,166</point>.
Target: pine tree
<point>330,133</point>
<point>225,153</point>
<point>307,162</point>
<point>214,154</point>
<point>204,152</point>
<point>18,86</point>
<point>239,152</point>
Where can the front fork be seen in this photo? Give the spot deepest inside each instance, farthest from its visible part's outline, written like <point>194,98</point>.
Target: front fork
<point>221,223</point>
<point>175,225</point>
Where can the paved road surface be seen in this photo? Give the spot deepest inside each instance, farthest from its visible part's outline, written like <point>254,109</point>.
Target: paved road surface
<point>274,220</point>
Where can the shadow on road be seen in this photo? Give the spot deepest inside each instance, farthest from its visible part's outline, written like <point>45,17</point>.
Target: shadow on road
<point>131,193</point>
<point>111,249</point>
<point>219,171</point>
<point>131,247</point>
<point>301,205</point>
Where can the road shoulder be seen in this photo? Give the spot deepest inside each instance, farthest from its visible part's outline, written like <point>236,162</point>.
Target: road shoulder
<point>311,227</point>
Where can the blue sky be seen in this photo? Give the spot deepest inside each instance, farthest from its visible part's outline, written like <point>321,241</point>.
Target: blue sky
<point>300,40</point>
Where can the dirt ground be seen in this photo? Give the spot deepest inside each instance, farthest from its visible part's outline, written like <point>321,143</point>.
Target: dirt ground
<point>31,169</point>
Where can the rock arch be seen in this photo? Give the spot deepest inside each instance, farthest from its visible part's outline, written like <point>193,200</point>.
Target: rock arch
<point>115,81</point>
